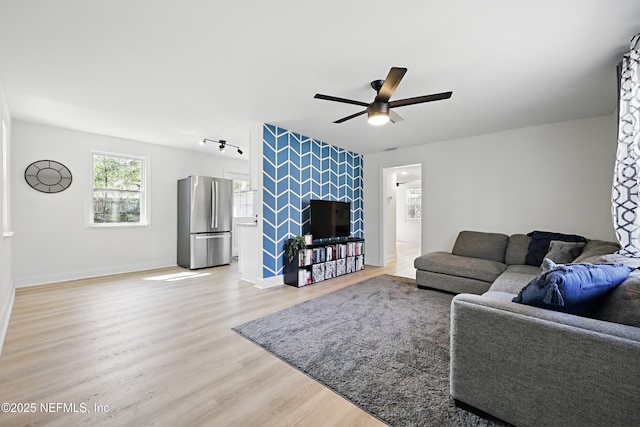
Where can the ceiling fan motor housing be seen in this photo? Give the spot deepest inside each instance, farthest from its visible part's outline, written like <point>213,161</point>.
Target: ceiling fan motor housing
<point>378,107</point>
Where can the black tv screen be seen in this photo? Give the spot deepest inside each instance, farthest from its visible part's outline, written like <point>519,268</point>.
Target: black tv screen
<point>330,219</point>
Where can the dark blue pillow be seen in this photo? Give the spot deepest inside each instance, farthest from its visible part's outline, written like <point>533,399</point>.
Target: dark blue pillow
<point>539,245</point>
<point>573,288</point>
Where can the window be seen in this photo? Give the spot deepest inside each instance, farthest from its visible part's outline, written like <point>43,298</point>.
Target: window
<point>414,201</point>
<point>242,199</point>
<point>118,190</point>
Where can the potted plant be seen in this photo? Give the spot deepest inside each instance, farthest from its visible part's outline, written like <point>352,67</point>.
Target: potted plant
<point>294,246</point>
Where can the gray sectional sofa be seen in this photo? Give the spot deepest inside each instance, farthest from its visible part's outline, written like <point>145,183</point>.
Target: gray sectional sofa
<point>531,366</point>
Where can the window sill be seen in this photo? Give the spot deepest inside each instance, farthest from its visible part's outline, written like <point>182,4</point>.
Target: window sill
<point>117,225</point>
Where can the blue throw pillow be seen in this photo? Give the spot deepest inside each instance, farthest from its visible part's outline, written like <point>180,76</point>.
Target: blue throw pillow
<point>573,288</point>
<point>539,245</point>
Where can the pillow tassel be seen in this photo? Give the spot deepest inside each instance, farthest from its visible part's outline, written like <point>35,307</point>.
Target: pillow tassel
<point>554,296</point>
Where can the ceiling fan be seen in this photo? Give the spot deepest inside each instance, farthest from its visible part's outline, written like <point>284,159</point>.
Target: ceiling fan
<point>379,111</point>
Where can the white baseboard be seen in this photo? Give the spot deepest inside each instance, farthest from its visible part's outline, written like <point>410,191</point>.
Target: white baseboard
<point>5,315</point>
<point>269,282</point>
<point>23,282</point>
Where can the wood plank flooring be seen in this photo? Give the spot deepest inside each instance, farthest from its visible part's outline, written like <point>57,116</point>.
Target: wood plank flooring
<point>155,348</point>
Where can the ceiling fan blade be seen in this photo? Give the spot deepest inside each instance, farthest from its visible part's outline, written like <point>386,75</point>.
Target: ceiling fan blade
<point>394,117</point>
<point>390,84</point>
<point>336,99</point>
<point>344,119</point>
<point>420,99</point>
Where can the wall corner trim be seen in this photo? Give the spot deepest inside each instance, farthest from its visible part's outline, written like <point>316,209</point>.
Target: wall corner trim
<point>269,282</point>
<point>5,315</point>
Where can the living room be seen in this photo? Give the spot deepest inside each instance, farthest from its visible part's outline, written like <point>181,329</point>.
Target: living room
<point>494,159</point>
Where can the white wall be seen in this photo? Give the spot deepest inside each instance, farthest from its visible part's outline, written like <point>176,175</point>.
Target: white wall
<point>7,291</point>
<point>52,240</point>
<point>554,177</point>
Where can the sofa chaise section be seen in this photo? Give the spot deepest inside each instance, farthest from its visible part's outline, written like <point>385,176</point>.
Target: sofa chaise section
<point>454,273</point>
<point>475,262</point>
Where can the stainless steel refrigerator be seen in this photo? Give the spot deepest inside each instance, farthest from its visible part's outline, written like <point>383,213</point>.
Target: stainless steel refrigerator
<point>205,212</point>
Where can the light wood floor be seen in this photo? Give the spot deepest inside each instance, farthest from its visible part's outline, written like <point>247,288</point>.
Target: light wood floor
<point>146,349</point>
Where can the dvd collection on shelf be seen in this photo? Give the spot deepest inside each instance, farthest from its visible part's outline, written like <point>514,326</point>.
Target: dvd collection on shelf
<point>318,263</point>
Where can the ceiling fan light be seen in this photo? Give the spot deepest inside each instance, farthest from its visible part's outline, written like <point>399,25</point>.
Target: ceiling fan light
<point>378,118</point>
<point>378,113</point>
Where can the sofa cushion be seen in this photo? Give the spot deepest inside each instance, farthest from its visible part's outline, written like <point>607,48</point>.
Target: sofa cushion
<point>540,241</point>
<point>517,249</point>
<point>564,252</point>
<point>512,281</point>
<point>461,266</point>
<point>573,288</point>
<point>452,284</point>
<point>597,247</point>
<point>477,244</point>
<point>525,269</point>
<point>622,305</point>
<point>499,295</point>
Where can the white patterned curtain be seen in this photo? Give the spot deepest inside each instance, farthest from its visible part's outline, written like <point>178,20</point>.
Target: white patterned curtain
<point>626,180</point>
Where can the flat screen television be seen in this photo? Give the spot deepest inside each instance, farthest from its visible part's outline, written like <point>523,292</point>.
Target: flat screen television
<point>330,219</point>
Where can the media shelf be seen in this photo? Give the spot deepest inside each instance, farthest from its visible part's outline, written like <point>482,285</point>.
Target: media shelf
<point>321,261</point>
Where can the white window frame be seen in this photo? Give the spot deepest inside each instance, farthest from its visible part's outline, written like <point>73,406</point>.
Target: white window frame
<point>236,175</point>
<point>247,194</point>
<point>144,191</point>
<point>408,199</point>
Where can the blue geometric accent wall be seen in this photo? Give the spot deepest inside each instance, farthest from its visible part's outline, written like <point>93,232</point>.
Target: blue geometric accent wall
<point>297,169</point>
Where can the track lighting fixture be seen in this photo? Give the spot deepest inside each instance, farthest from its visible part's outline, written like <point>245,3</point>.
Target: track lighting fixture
<point>222,146</point>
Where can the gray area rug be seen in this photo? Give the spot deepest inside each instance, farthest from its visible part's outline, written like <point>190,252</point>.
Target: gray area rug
<point>382,344</point>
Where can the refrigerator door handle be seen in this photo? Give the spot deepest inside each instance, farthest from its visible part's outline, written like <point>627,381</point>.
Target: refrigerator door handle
<point>217,236</point>
<point>214,202</point>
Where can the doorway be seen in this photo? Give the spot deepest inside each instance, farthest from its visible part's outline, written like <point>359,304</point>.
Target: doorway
<point>402,217</point>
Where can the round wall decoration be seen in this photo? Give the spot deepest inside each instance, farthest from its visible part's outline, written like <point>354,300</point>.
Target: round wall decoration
<point>48,176</point>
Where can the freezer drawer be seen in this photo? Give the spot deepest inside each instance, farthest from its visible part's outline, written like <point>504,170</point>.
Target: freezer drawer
<point>209,250</point>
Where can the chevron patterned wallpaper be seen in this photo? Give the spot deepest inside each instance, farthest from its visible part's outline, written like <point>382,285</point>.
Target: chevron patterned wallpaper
<point>297,169</point>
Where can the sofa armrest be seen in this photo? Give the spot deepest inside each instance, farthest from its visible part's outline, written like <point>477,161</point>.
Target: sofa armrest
<point>535,367</point>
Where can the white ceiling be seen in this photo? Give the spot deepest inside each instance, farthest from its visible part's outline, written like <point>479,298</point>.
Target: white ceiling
<point>173,72</point>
